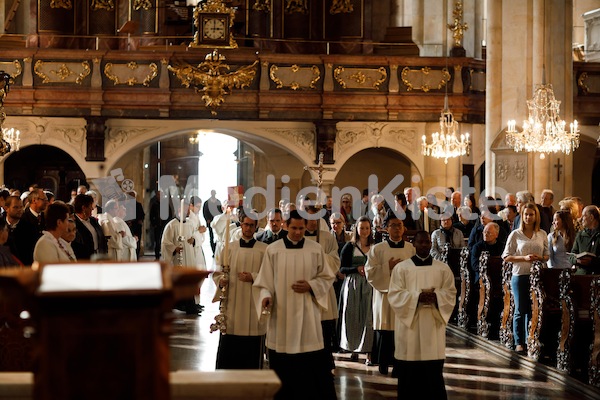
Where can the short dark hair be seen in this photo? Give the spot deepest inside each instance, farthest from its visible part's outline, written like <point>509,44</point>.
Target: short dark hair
<point>82,200</point>
<point>4,194</point>
<point>390,215</point>
<point>55,212</point>
<point>294,214</point>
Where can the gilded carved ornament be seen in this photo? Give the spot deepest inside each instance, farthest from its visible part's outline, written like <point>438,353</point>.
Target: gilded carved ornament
<point>62,73</point>
<point>420,79</point>
<point>581,83</point>
<point>213,78</point>
<point>458,28</point>
<point>363,78</point>
<point>341,7</point>
<point>296,6</point>
<point>145,4</point>
<point>66,4</point>
<point>13,68</point>
<point>107,5</point>
<point>262,5</point>
<point>119,76</point>
<point>301,77</point>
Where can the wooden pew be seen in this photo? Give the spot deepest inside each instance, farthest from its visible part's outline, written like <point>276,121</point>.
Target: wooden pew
<point>594,374</point>
<point>542,337</point>
<point>508,307</point>
<point>452,257</point>
<point>464,290</point>
<point>490,296</point>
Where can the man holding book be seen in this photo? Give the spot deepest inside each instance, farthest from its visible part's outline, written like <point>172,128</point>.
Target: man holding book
<point>586,248</point>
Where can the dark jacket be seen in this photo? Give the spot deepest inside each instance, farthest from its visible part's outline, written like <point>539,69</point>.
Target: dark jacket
<point>266,236</point>
<point>83,245</point>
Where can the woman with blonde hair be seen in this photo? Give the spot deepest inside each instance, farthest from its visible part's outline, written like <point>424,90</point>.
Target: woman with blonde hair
<point>560,241</point>
<point>570,205</point>
<point>525,245</point>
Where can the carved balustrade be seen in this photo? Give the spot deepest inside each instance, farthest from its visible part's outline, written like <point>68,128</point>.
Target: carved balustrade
<point>508,307</point>
<point>464,291</point>
<point>490,295</point>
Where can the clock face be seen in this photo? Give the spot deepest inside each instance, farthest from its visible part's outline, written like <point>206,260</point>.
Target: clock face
<point>214,28</point>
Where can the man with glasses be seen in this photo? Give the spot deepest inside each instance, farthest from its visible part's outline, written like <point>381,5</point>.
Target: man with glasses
<point>382,259</point>
<point>275,230</point>
<point>31,225</point>
<point>586,249</point>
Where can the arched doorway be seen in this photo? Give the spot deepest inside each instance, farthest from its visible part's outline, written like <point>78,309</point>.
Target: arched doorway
<point>49,167</point>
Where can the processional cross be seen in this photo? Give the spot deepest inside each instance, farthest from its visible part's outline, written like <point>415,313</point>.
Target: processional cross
<point>320,170</point>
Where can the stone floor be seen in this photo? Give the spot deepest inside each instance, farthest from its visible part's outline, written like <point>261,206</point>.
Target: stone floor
<point>471,371</point>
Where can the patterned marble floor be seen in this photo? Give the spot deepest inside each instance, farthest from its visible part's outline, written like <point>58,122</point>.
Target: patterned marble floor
<point>470,372</point>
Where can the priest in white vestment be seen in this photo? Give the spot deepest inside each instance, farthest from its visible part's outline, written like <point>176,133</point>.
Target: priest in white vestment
<point>181,253</point>
<point>422,294</point>
<point>112,231</point>
<point>242,345</point>
<point>293,285</point>
<point>381,260</point>
<point>329,316</point>
<point>128,252</point>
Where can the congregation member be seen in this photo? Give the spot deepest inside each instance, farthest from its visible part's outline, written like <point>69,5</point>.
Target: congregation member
<point>32,223</point>
<point>586,249</point>
<point>560,240</point>
<point>546,207</point>
<point>510,200</point>
<point>274,229</point>
<point>422,296</point>
<point>210,209</point>
<point>446,234</point>
<point>464,224</point>
<point>181,253</point>
<point>490,243</point>
<point>428,218</point>
<point>242,345</point>
<point>329,315</point>
<point>382,258</point>
<point>403,211</point>
<point>568,204</point>
<point>16,233</point>
<point>452,208</point>
<point>293,283</point>
<point>51,247</point>
<point>112,230</point>
<point>346,210</point>
<point>524,197</point>
<point>337,223</point>
<point>526,244</point>
<point>7,259</point>
<point>89,239</point>
<point>356,297</point>
<point>477,233</point>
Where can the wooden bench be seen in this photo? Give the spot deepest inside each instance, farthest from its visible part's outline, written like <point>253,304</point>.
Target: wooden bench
<point>542,337</point>
<point>508,307</point>
<point>491,300</point>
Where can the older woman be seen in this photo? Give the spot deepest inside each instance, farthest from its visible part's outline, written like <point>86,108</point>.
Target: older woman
<point>525,245</point>
<point>51,247</point>
<point>356,311</point>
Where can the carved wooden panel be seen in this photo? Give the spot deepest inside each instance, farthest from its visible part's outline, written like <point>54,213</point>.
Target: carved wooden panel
<point>506,319</point>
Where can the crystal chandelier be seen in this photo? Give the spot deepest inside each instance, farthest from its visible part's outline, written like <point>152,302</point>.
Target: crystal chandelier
<point>543,131</point>
<point>446,144</point>
<point>5,146</point>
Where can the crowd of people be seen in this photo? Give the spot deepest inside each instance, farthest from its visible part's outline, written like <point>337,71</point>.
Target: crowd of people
<point>304,287</point>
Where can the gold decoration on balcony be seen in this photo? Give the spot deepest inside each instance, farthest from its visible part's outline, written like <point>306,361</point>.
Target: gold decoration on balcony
<point>66,4</point>
<point>213,78</point>
<point>107,5</point>
<point>457,27</point>
<point>295,77</point>
<point>341,7</point>
<point>296,6</point>
<point>424,78</point>
<point>145,4</point>
<point>360,78</point>
<point>131,73</point>
<point>262,5</point>
<point>581,83</point>
<point>64,72</point>
<point>13,68</point>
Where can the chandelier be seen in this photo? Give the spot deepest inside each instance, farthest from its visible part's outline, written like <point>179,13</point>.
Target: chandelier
<point>543,131</point>
<point>9,138</point>
<point>446,143</point>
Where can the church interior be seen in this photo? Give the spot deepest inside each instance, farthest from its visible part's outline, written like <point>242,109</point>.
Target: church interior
<point>342,94</point>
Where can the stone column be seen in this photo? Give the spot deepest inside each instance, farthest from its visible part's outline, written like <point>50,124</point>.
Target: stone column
<point>397,13</point>
<point>493,95</point>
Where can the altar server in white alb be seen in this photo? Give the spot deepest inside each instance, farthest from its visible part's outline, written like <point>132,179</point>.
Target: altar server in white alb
<point>181,253</point>
<point>242,345</point>
<point>199,231</point>
<point>293,283</point>
<point>319,233</point>
<point>422,294</point>
<point>381,260</point>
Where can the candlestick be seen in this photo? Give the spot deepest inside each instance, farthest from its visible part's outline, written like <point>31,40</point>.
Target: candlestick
<point>181,217</point>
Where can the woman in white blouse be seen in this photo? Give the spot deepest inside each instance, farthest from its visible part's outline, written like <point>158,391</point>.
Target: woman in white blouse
<point>51,247</point>
<point>525,245</point>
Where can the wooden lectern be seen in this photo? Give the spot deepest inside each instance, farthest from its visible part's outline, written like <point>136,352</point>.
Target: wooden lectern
<point>101,330</point>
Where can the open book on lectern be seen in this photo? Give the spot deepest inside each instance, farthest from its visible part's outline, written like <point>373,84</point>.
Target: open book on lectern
<point>105,276</point>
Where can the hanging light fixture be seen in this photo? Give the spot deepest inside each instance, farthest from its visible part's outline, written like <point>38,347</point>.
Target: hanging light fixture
<point>446,143</point>
<point>543,131</point>
<point>14,136</point>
